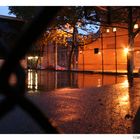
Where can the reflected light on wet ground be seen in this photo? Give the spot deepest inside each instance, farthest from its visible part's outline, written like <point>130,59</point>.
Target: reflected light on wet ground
<point>125,83</point>
<point>86,103</point>
<point>90,103</point>
<point>124,99</point>
<point>46,81</point>
<point>32,82</point>
<point>70,113</point>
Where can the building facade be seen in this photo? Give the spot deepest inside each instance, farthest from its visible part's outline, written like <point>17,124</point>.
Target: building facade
<point>109,52</point>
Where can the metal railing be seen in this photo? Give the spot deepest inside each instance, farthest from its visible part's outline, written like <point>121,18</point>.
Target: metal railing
<point>15,94</point>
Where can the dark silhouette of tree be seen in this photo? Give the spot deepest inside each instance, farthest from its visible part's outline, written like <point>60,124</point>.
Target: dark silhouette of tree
<point>24,12</point>
<point>70,20</point>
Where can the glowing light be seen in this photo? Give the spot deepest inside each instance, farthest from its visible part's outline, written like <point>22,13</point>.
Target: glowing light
<point>107,30</point>
<point>32,80</point>
<point>126,50</point>
<point>36,57</point>
<point>36,81</point>
<point>30,57</point>
<point>99,83</point>
<point>114,29</point>
<point>124,100</point>
<point>124,103</point>
<point>125,83</point>
<point>99,52</point>
<point>80,52</point>
<point>136,26</point>
<point>30,83</point>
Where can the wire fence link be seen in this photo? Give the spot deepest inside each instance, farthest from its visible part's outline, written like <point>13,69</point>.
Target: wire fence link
<point>15,94</point>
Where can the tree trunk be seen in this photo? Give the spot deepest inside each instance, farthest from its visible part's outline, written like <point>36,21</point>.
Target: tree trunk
<point>130,56</point>
<point>72,49</point>
<point>70,58</point>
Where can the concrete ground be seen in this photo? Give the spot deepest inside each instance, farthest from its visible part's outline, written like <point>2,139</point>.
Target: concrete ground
<point>108,109</point>
<point>111,109</point>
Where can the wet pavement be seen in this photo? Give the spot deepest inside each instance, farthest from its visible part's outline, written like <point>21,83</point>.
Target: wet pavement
<point>106,109</point>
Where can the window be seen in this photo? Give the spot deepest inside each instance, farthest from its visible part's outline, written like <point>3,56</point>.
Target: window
<point>96,50</point>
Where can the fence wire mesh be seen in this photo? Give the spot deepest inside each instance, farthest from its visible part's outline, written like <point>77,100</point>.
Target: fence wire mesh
<point>15,94</point>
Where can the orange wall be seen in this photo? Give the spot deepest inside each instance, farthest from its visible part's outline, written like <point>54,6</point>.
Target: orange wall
<point>94,61</point>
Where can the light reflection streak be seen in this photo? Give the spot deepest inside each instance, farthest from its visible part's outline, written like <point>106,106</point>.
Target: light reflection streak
<point>65,89</point>
<point>124,99</point>
<point>99,83</point>
<point>36,81</point>
<point>32,80</point>
<point>125,83</point>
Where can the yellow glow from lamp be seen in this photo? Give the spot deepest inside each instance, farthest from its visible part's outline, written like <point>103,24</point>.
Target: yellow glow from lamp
<point>36,57</point>
<point>114,29</point>
<point>107,30</point>
<point>125,83</point>
<point>126,50</point>
<point>36,81</point>
<point>30,57</point>
<point>136,26</point>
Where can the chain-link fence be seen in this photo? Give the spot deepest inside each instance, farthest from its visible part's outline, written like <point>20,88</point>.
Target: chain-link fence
<point>15,93</point>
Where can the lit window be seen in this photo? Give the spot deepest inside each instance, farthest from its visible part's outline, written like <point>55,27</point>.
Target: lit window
<point>96,50</point>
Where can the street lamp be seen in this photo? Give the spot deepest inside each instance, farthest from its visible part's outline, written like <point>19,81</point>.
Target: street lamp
<point>114,29</point>
<point>107,30</point>
<point>126,50</point>
<point>136,26</point>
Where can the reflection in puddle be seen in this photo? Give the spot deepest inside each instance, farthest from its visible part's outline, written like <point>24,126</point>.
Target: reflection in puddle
<point>99,83</point>
<point>125,83</point>
<point>124,99</point>
<point>32,80</point>
<point>46,81</point>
